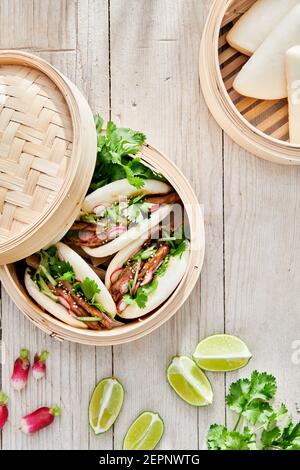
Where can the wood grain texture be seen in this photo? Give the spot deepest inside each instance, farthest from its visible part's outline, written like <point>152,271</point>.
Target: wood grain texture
<point>262,268</point>
<point>155,87</point>
<point>73,370</point>
<point>146,68</point>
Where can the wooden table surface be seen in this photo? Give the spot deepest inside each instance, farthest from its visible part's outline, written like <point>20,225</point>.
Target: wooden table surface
<point>137,61</point>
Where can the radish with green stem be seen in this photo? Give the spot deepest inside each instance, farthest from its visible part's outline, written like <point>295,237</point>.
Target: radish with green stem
<point>39,419</point>
<point>39,366</point>
<point>21,370</point>
<point>3,409</point>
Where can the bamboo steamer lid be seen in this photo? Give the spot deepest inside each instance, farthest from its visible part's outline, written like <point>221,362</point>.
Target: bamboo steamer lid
<point>47,154</point>
<point>259,126</point>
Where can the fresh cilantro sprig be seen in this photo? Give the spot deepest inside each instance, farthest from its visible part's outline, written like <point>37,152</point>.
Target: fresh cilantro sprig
<point>259,425</point>
<point>176,240</point>
<point>116,150</point>
<point>52,269</point>
<point>88,287</point>
<point>142,294</point>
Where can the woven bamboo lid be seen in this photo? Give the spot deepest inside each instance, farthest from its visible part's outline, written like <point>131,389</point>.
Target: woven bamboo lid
<point>47,154</point>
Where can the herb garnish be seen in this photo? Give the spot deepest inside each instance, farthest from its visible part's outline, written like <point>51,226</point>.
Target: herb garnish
<point>116,148</point>
<point>53,270</point>
<point>259,426</point>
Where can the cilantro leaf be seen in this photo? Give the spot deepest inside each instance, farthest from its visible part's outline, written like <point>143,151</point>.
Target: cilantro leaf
<point>258,412</point>
<point>58,268</point>
<point>163,268</point>
<point>52,268</point>
<point>68,276</point>
<point>219,438</point>
<point>260,386</point>
<point>269,437</point>
<point>89,288</point>
<point>251,398</point>
<point>142,294</point>
<point>179,249</point>
<point>141,298</point>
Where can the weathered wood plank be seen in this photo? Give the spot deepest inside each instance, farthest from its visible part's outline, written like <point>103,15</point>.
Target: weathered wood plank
<point>16,24</point>
<point>92,78</point>
<point>38,24</point>
<point>155,87</point>
<point>262,232</point>
<point>208,168</point>
<point>54,24</point>
<point>73,370</point>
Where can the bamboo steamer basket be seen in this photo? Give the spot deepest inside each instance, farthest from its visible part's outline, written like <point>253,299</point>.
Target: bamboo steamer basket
<point>140,327</point>
<point>54,211</point>
<point>259,126</point>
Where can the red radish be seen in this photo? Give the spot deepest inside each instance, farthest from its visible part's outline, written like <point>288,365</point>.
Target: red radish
<point>101,232</point>
<point>137,285</point>
<point>149,275</point>
<point>121,305</point>
<point>86,235</point>
<point>3,409</point>
<point>21,370</point>
<point>106,318</point>
<point>115,231</point>
<point>64,302</point>
<point>98,210</point>
<point>154,208</point>
<point>115,275</point>
<point>148,278</point>
<point>39,366</point>
<point>39,419</point>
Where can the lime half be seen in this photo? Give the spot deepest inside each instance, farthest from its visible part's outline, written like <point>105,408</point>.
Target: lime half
<point>145,432</point>
<point>222,353</point>
<point>105,404</point>
<point>189,382</point>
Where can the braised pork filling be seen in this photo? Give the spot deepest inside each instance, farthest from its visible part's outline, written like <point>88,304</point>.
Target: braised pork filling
<point>138,277</point>
<point>56,279</point>
<point>105,223</point>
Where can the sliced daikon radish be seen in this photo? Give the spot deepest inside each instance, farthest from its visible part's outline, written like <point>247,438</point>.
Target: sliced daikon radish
<point>293,81</point>
<point>264,76</point>
<point>256,24</point>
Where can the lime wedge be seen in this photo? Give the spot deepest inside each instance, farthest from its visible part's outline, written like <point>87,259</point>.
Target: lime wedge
<point>222,353</point>
<point>145,432</point>
<point>105,404</point>
<point>189,382</point>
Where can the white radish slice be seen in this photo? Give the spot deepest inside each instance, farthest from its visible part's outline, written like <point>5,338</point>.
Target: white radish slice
<point>293,80</point>
<point>64,303</point>
<point>116,231</point>
<point>115,275</point>
<point>85,235</point>
<point>98,210</point>
<point>264,75</point>
<point>252,28</point>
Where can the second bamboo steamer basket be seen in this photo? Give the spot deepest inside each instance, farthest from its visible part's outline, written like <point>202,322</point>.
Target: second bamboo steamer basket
<point>41,108</point>
<point>261,127</point>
